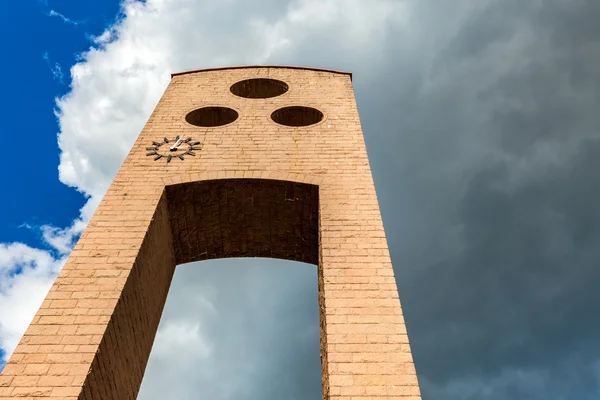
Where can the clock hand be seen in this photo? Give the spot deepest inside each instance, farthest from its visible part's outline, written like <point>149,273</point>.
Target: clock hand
<point>176,145</point>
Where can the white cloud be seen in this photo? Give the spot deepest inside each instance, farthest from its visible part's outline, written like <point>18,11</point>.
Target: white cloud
<point>184,337</point>
<point>56,69</point>
<point>63,239</point>
<point>26,275</point>
<point>66,20</point>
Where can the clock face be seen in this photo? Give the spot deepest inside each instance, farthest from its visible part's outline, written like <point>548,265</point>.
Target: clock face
<point>173,148</point>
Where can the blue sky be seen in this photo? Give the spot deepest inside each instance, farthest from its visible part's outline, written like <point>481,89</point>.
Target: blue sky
<point>43,46</point>
<point>482,126</point>
<point>42,40</point>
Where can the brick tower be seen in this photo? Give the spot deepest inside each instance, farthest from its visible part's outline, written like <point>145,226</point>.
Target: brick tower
<point>233,162</point>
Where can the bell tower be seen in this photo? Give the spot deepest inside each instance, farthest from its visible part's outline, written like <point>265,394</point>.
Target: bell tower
<point>233,162</point>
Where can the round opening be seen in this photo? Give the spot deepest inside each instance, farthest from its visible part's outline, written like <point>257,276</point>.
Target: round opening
<point>297,116</point>
<point>259,88</point>
<point>211,116</point>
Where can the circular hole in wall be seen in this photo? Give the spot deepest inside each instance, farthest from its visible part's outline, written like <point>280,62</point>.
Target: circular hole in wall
<point>259,88</point>
<point>211,116</point>
<point>297,116</point>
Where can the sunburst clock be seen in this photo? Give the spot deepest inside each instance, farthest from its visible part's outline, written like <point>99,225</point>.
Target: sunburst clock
<point>178,149</point>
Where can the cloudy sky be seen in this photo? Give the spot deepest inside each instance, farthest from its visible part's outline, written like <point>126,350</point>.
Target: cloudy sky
<point>482,123</point>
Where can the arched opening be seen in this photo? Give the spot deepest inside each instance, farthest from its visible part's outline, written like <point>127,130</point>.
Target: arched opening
<point>220,221</point>
<point>237,328</point>
<point>197,221</point>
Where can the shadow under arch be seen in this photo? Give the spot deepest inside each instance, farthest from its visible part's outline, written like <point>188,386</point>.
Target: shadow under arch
<point>195,221</point>
<point>244,218</point>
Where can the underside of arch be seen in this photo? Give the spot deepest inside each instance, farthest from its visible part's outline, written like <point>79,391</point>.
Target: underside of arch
<point>244,218</point>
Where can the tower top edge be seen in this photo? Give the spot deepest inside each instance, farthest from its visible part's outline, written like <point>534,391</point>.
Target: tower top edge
<point>262,66</point>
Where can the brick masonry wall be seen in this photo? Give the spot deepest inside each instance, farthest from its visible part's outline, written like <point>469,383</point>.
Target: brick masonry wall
<point>92,335</point>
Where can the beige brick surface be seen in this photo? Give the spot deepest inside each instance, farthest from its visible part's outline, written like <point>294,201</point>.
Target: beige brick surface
<point>255,189</point>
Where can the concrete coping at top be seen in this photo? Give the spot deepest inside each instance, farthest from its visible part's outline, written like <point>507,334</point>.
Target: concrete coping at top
<point>262,66</point>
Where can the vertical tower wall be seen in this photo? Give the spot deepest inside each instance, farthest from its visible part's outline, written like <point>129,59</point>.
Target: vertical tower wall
<point>92,335</point>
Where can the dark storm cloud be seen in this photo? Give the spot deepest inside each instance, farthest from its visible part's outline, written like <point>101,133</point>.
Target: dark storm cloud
<point>238,329</point>
<point>527,284</point>
<point>487,162</point>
